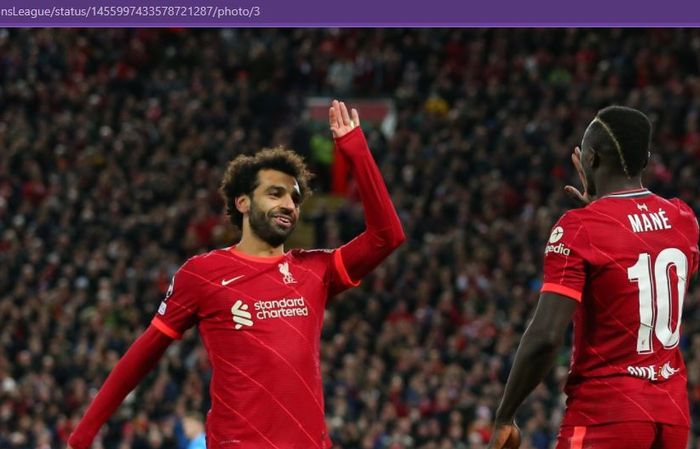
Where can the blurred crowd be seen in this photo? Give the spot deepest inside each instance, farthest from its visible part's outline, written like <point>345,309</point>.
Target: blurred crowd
<point>112,146</point>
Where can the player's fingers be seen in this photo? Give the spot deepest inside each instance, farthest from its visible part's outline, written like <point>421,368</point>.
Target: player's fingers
<point>575,194</point>
<point>577,163</point>
<point>576,155</point>
<point>331,117</point>
<point>332,122</point>
<point>355,117</point>
<point>345,115</point>
<point>572,190</point>
<point>576,160</point>
<point>338,114</point>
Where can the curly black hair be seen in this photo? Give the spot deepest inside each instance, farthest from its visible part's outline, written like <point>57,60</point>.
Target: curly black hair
<point>241,177</point>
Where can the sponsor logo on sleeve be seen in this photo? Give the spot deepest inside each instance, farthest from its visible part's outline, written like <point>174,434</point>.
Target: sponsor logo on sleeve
<point>554,237</point>
<point>163,306</point>
<point>171,288</point>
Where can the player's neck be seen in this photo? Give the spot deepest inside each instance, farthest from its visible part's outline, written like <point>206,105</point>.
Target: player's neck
<point>252,245</point>
<point>614,184</point>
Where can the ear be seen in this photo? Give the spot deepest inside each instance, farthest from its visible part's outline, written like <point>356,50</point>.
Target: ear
<point>646,161</point>
<point>242,204</point>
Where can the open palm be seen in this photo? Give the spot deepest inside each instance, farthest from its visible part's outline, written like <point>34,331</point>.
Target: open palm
<point>340,121</point>
<point>583,198</point>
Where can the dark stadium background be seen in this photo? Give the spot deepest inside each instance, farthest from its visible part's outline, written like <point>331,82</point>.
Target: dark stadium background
<point>113,142</point>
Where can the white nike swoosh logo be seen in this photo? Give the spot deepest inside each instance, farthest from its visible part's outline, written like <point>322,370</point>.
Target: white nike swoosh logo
<point>225,282</point>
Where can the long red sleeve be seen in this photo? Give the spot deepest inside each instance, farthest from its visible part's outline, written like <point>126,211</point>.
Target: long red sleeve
<point>139,360</point>
<point>383,232</point>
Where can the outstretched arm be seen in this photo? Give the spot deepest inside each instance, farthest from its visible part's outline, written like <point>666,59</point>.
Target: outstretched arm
<point>533,360</point>
<point>383,232</point>
<point>139,360</point>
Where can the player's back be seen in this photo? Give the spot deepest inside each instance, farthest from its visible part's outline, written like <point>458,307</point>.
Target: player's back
<point>638,252</point>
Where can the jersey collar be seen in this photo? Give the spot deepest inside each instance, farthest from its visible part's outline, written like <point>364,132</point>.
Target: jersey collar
<point>634,193</point>
<point>249,257</point>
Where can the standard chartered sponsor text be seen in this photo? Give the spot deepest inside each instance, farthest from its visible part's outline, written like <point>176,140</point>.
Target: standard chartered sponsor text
<point>286,307</point>
<point>213,12</point>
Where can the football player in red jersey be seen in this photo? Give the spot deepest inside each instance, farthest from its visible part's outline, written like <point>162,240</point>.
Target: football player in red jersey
<point>259,309</point>
<point>619,267</point>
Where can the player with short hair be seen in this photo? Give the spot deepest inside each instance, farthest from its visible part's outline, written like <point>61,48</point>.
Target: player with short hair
<point>620,268</point>
<point>259,309</point>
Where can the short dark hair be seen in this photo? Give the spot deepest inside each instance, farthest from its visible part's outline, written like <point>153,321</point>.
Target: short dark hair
<point>624,134</point>
<point>241,177</point>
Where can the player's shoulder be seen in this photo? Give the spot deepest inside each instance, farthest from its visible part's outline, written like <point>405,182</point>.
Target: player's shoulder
<point>683,208</point>
<point>676,205</point>
<point>206,261</point>
<point>316,260</point>
<point>574,217</point>
<point>685,212</point>
<point>311,254</point>
<point>568,230</point>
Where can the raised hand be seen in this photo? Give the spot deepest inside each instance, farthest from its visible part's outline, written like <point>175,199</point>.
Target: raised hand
<point>505,436</point>
<point>340,121</point>
<point>582,198</point>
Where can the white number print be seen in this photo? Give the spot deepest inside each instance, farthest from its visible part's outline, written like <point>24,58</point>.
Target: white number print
<point>655,297</point>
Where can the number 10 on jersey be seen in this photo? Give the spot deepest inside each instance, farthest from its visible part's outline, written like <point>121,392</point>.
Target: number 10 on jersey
<point>655,296</point>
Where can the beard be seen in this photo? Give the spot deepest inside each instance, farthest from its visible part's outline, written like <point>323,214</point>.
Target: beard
<point>263,225</point>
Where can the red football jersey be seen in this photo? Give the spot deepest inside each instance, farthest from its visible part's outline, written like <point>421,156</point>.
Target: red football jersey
<point>260,319</point>
<point>627,257</point>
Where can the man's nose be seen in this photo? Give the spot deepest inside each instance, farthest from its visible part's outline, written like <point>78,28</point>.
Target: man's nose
<point>288,204</point>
